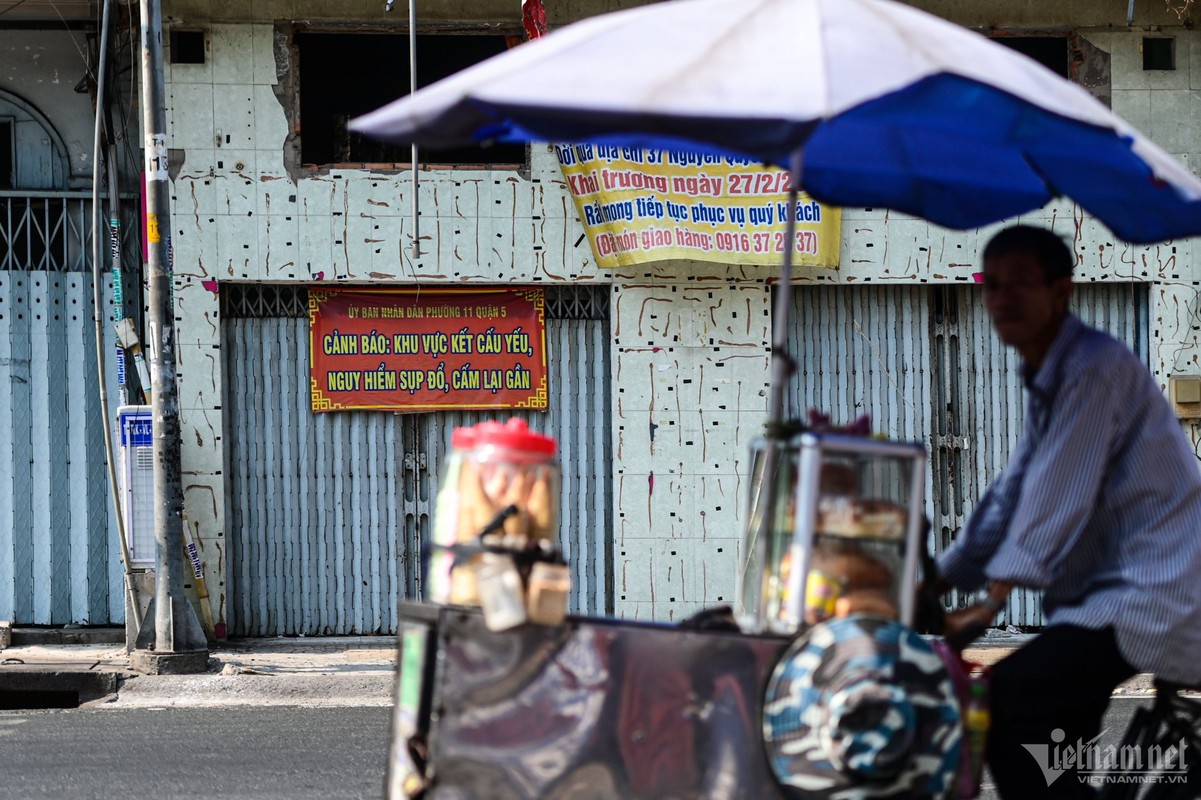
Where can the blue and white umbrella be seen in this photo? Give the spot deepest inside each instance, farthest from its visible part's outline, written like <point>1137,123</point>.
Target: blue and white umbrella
<point>867,102</point>
<point>879,104</point>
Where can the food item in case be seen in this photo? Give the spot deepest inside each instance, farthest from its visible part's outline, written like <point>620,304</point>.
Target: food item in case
<point>541,503</point>
<point>844,579</point>
<point>849,516</point>
<point>866,601</point>
<point>837,479</point>
<point>822,591</point>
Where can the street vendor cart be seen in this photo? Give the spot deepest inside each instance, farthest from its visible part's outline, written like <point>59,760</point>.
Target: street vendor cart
<point>493,706</point>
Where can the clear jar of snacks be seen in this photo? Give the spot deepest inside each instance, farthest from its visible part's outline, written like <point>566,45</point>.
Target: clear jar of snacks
<point>509,485</point>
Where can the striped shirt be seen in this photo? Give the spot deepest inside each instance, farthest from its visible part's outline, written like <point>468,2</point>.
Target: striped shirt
<point>1107,518</point>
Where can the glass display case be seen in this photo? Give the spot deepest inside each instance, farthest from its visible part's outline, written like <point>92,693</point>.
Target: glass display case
<point>835,534</point>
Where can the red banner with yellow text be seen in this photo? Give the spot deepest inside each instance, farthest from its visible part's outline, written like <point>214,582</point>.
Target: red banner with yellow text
<point>421,350</point>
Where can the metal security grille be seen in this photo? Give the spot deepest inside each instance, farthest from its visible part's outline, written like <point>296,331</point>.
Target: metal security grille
<point>925,363</point>
<point>51,232</point>
<point>263,301</point>
<point>328,513</point>
<point>577,302</point>
<point>268,301</point>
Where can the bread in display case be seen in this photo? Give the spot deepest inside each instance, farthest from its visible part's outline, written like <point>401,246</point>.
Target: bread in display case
<point>848,510</point>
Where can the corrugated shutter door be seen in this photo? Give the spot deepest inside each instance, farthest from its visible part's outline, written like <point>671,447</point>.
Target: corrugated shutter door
<point>328,513</point>
<point>315,542</point>
<point>864,350</point>
<point>55,526</point>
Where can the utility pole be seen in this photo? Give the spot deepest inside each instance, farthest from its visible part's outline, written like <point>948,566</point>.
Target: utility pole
<point>179,642</point>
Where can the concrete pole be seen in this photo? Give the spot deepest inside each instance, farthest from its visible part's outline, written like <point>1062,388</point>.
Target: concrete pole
<point>179,642</point>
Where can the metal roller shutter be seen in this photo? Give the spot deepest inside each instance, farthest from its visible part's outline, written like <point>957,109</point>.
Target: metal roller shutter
<point>58,563</point>
<point>328,512</point>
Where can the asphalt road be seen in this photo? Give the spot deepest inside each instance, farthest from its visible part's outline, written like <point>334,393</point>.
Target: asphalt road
<point>244,752</point>
<point>1117,717</point>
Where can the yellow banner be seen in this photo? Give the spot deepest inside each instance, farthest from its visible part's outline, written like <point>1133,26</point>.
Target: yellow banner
<point>649,205</point>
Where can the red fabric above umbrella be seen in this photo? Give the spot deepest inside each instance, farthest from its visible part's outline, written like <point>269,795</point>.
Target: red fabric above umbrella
<point>533,17</point>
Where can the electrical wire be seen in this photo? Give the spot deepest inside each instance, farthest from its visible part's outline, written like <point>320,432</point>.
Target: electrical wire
<point>66,25</point>
<point>17,4</point>
<point>98,315</point>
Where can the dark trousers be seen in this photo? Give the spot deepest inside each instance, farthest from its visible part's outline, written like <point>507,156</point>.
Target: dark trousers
<point>1051,693</point>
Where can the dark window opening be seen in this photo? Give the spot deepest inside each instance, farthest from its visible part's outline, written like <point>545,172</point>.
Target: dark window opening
<point>187,47</point>
<point>1159,53</point>
<point>1050,51</point>
<point>343,75</point>
<point>6,154</point>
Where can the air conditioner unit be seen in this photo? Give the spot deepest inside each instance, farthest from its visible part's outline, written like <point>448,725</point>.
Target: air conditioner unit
<point>135,469</point>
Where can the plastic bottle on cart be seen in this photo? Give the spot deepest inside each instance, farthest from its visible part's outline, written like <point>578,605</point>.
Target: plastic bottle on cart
<point>549,590</point>
<point>447,507</point>
<point>976,722</point>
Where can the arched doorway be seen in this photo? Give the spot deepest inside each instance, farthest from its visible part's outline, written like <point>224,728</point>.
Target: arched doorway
<point>32,154</point>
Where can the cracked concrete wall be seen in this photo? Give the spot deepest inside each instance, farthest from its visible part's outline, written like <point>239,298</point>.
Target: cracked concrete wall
<point>690,340</point>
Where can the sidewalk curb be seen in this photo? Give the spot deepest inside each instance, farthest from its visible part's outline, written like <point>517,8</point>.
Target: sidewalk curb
<point>254,689</point>
<point>85,687</point>
<point>54,637</point>
<point>269,671</point>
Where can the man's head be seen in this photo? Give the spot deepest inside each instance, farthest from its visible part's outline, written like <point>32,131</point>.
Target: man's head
<point>1027,286</point>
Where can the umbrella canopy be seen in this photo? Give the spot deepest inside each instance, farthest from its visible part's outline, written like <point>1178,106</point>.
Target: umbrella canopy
<point>889,107</point>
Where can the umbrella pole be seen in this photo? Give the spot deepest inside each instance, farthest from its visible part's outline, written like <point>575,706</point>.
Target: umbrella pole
<point>782,363</point>
<point>782,368</point>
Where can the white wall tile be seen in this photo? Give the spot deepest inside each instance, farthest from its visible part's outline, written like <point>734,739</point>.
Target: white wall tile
<point>275,193</point>
<point>236,193</point>
<point>194,245</point>
<point>314,258</point>
<point>1134,106</point>
<point>632,576</point>
<point>1126,63</point>
<point>232,54</point>
<point>199,381</point>
<point>280,247</point>
<point>1172,125</point>
<point>190,109</point>
<point>238,240</point>
<point>233,123</point>
<point>263,54</point>
<point>270,124</point>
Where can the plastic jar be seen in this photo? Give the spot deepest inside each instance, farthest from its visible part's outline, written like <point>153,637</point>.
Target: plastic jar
<point>510,466</point>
